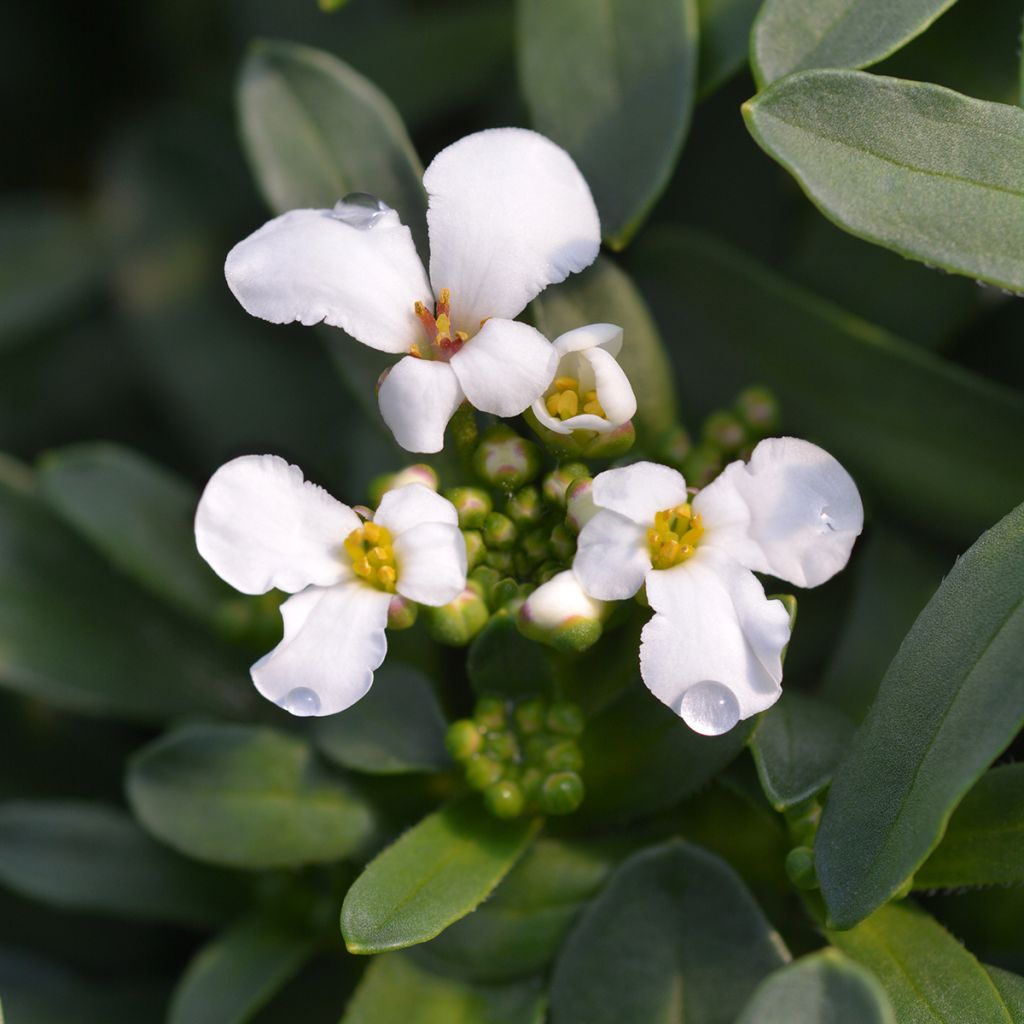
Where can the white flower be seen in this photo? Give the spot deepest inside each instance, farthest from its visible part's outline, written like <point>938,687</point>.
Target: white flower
<point>590,391</point>
<point>261,526</point>
<point>713,650</point>
<point>509,213</point>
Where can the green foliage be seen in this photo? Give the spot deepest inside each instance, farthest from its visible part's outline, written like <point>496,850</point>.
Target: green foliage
<point>724,40</point>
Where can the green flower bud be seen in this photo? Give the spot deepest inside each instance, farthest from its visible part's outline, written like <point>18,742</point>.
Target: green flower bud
<point>563,543</point>
<point>499,532</point>
<point>724,431</point>
<point>702,465</point>
<point>564,755</point>
<point>758,408</point>
<point>562,615</point>
<point>503,561</point>
<point>505,459</point>
<point>482,771</point>
<point>417,474</point>
<point>473,505</point>
<point>504,591</point>
<point>565,719</point>
<point>609,445</point>
<point>535,750</point>
<point>482,579</point>
<point>402,612</point>
<point>535,546</point>
<point>529,715</point>
<point>475,547</point>
<point>524,507</point>
<point>674,445</point>
<point>561,793</point>
<point>558,480</point>
<point>504,799</point>
<point>457,622</point>
<point>547,571</point>
<point>800,867</point>
<point>502,746</point>
<point>463,739</point>
<point>490,714</point>
<point>579,503</point>
<point>531,781</point>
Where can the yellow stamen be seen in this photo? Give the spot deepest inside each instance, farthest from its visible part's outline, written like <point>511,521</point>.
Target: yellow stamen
<point>567,400</point>
<point>373,555</point>
<point>674,536</point>
<point>568,404</point>
<point>567,384</point>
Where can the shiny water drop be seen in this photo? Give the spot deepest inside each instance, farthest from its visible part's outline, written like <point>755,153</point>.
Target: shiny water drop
<point>301,701</point>
<point>825,515</point>
<point>709,708</point>
<point>360,210</point>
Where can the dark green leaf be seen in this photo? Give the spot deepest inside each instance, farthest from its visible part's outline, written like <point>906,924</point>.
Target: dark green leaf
<point>1011,989</point>
<point>434,874</point>
<point>395,990</point>
<point>824,988</point>
<point>613,82</point>
<point>91,858</point>
<point>794,35</point>
<point>245,797</point>
<point>951,701</point>
<point>934,175</point>
<point>235,974</point>
<point>929,977</point>
<point>397,727</point>
<point>984,841</point>
<point>674,936</point>
<point>724,40</point>
<point>904,422</point>
<point>796,746</point>
<point>501,660</point>
<point>139,516</point>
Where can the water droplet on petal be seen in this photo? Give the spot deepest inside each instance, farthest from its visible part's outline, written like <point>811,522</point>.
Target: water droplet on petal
<point>360,210</point>
<point>825,515</point>
<point>301,701</point>
<point>709,708</point>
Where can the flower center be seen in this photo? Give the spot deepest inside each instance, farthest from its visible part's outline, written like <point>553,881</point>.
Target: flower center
<point>565,400</point>
<point>444,343</point>
<point>674,536</point>
<point>373,556</point>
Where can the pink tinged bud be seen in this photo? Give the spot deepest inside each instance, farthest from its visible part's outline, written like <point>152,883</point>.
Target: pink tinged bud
<point>401,612</point>
<point>560,614</point>
<point>506,459</point>
<point>579,503</point>
<point>417,474</point>
<point>457,622</point>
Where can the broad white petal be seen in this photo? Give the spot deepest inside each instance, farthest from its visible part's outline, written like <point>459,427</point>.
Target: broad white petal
<point>614,392</point>
<point>612,558</point>
<point>509,213</point>
<point>333,640</point>
<point>505,367</point>
<point>310,266</point>
<point>260,526</point>
<point>606,336</point>
<point>639,491</point>
<point>431,561</point>
<point>403,508</point>
<point>417,399</point>
<point>715,637</point>
<point>791,511</point>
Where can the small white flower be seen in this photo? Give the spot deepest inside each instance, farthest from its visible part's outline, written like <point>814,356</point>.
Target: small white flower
<point>261,526</point>
<point>590,391</point>
<point>713,650</point>
<point>509,213</point>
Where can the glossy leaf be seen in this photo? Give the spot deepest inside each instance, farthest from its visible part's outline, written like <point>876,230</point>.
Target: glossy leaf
<point>245,797</point>
<point>934,175</point>
<point>139,516</point>
<point>237,972</point>
<point>395,988</point>
<point>397,727</point>
<point>613,82</point>
<point>87,857</point>
<point>674,936</point>
<point>929,977</point>
<point>796,745</point>
<point>794,35</point>
<point>823,988</point>
<point>984,840</point>
<point>951,701</point>
<point>724,40</point>
<point>431,876</point>
<point>605,293</point>
<point>902,421</point>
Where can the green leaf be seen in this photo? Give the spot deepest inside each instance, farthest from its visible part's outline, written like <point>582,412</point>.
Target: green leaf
<point>395,990</point>
<point>952,700</point>
<point>823,988</point>
<point>434,874</point>
<point>237,972</point>
<point>605,293</point>
<point>501,660</point>
<point>315,130</point>
<point>245,797</point>
<point>86,857</point>
<point>1011,990</point>
<point>139,516</point>
<point>674,936</point>
<point>903,422</point>
<point>724,40</point>
<point>613,82</point>
<point>984,840</point>
<point>795,35</point>
<point>796,746</point>
<point>77,634</point>
<point>397,727</point>
<point>929,977</point>
<point>934,175</point>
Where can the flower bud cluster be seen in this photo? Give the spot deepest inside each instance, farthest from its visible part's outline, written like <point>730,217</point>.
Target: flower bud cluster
<point>522,756</point>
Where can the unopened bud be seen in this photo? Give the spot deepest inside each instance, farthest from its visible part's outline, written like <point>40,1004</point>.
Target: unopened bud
<point>725,431</point>
<point>499,532</point>
<point>800,867</point>
<point>524,507</point>
<point>565,719</point>
<point>476,549</point>
<point>482,771</point>
<point>402,612</point>
<point>561,614</point>
<point>457,622</point>
<point>534,546</point>
<point>420,473</point>
<point>504,591</point>
<point>702,465</point>
<point>561,793</point>
<point>674,445</point>
<point>579,503</point>
<point>490,714</point>
<point>529,716</point>
<point>506,459</point>
<point>610,444</point>
<point>562,543</point>
<point>483,579</point>
<point>473,505</point>
<point>557,482</point>
<point>463,739</point>
<point>758,408</point>
<point>563,755</point>
<point>502,746</point>
<point>504,799</point>
<point>503,561</point>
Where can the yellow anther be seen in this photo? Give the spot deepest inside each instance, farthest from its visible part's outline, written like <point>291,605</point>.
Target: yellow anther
<point>373,555</point>
<point>566,384</point>
<point>372,532</point>
<point>594,408</point>
<point>674,536</point>
<point>568,404</point>
<point>444,326</point>
<point>387,575</point>
<point>551,403</point>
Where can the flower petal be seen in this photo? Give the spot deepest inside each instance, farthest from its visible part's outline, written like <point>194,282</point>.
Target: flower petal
<point>509,214</point>
<point>417,398</point>
<point>606,336</point>
<point>614,391</point>
<point>310,266</point>
<point>333,640</point>
<point>560,602</point>
<point>714,629</point>
<point>403,508</point>
<point>260,526</point>
<point>791,511</point>
<point>611,556</point>
<point>431,561</point>
<point>505,367</point>
<point>639,491</point>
